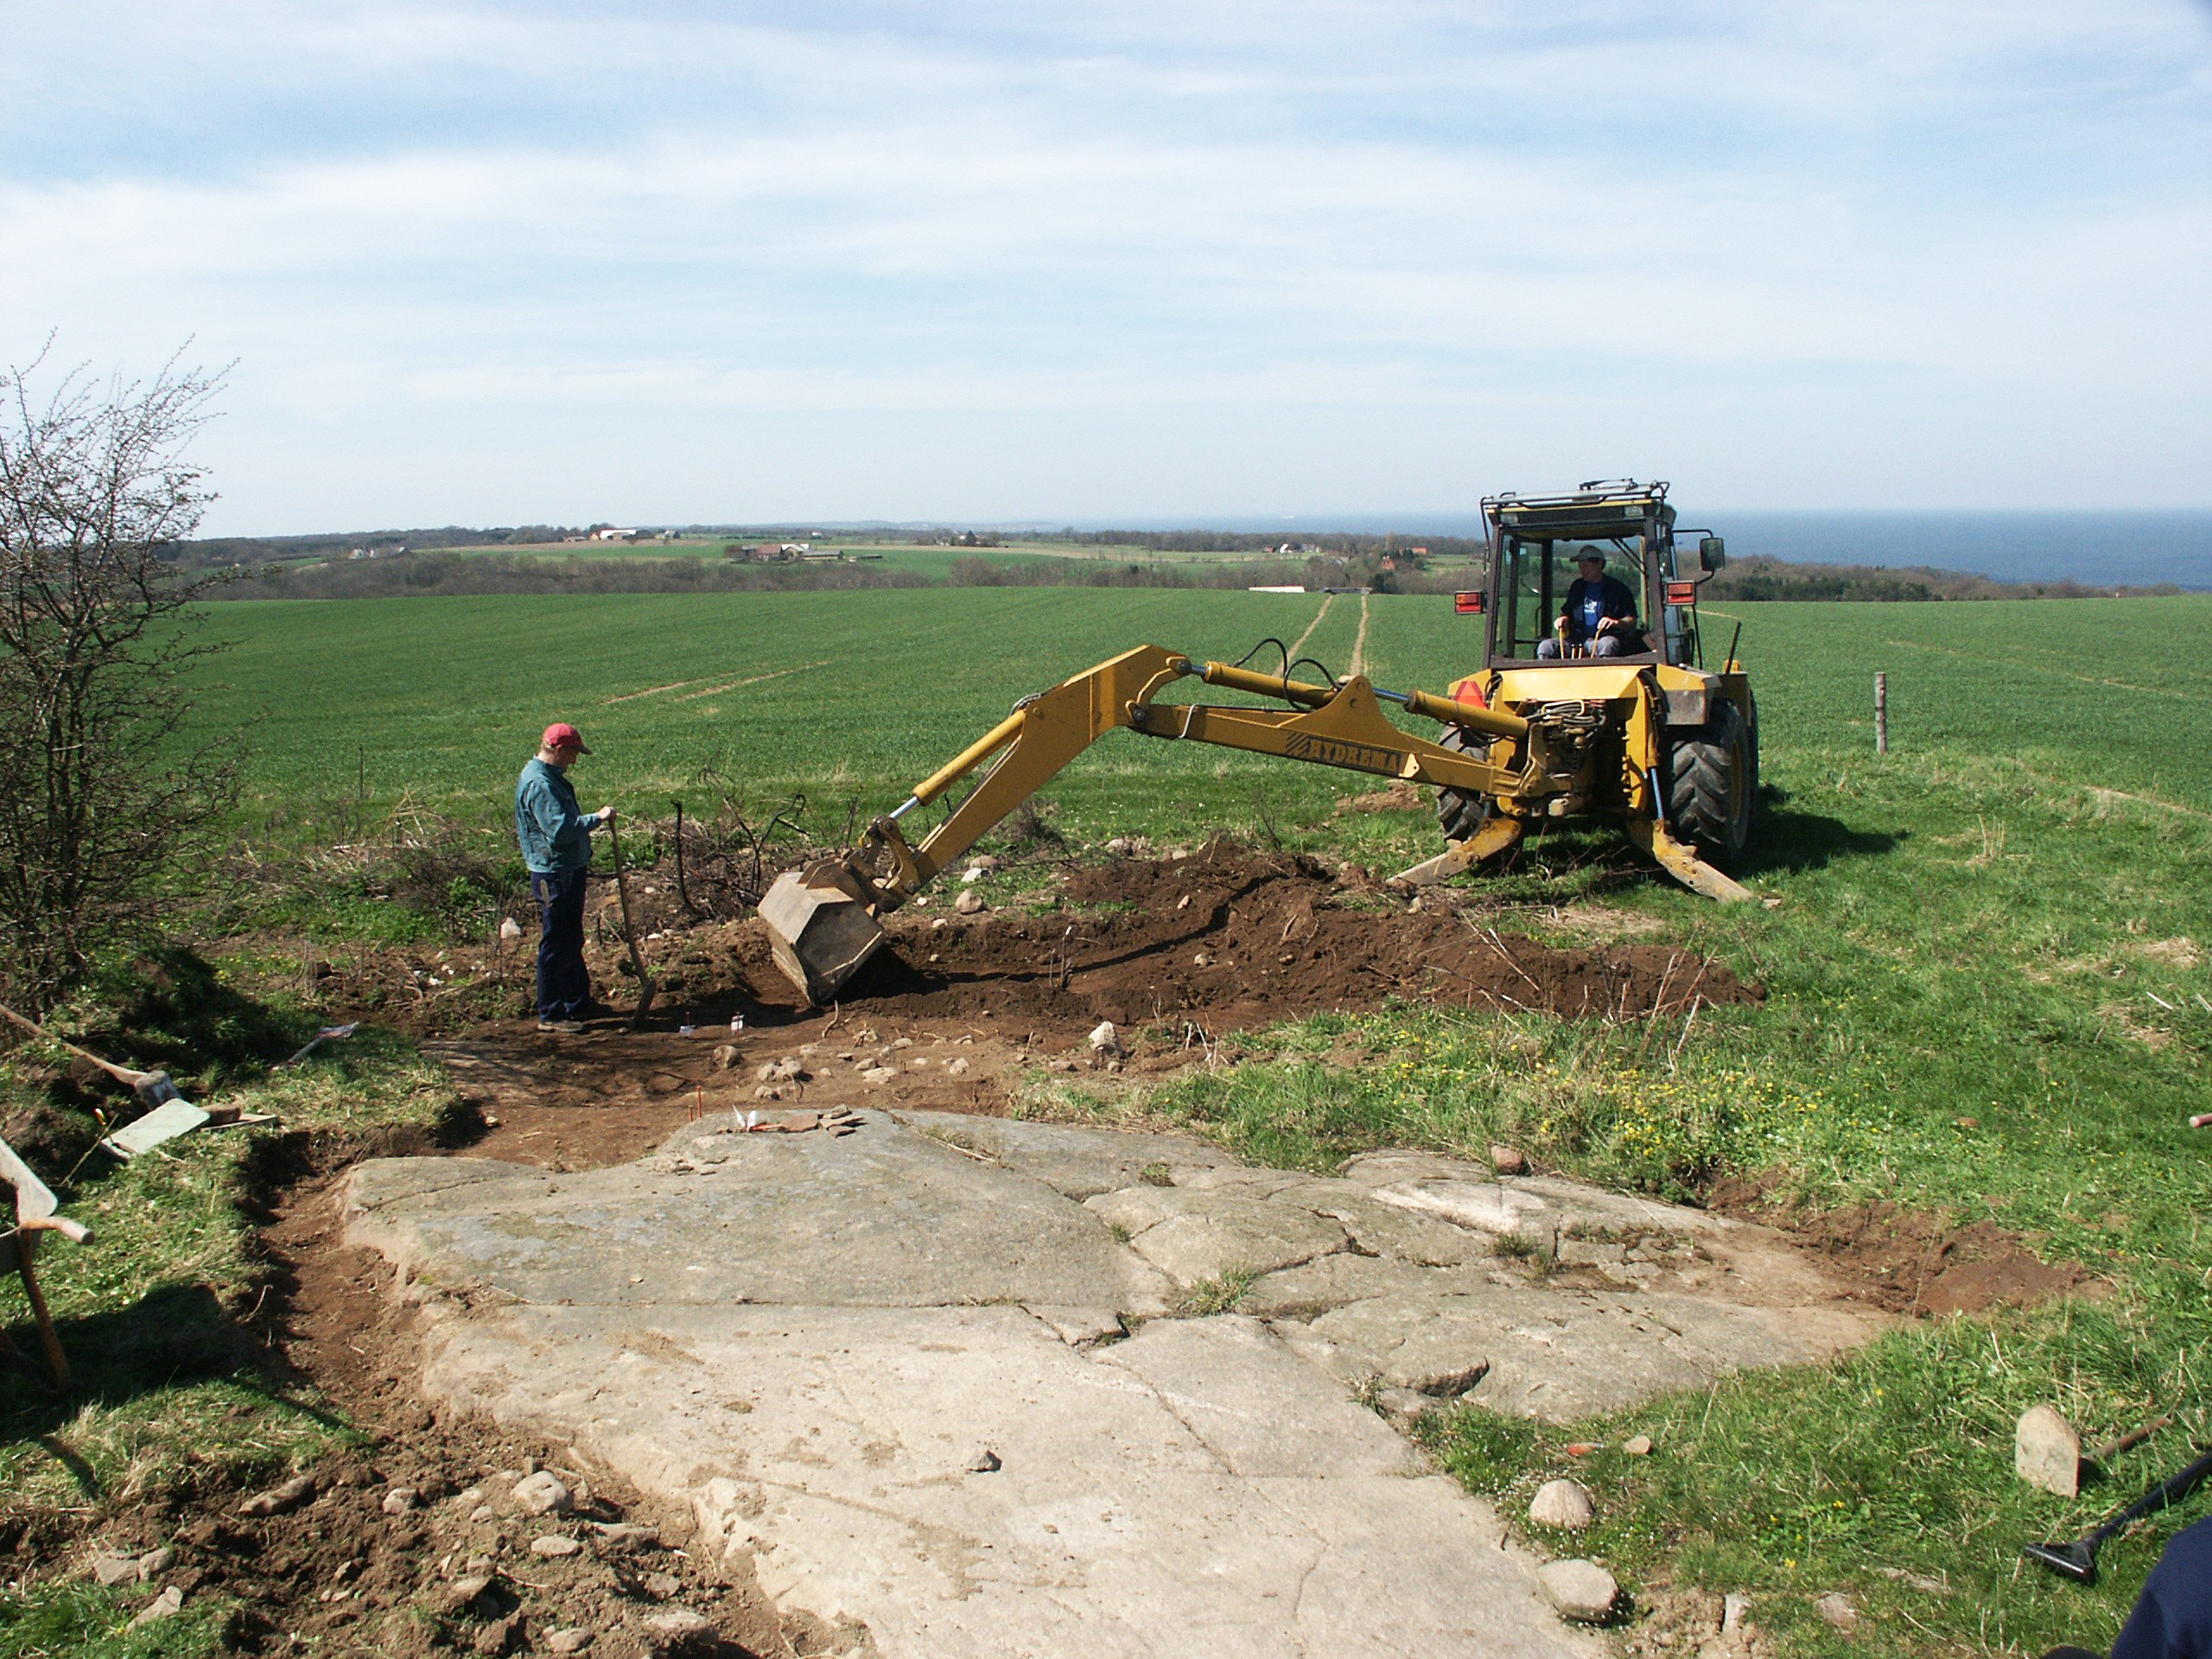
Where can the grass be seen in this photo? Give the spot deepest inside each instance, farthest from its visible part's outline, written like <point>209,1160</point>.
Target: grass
<point>1988,989</point>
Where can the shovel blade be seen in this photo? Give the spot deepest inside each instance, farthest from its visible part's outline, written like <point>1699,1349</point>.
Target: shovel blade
<point>2073,1560</point>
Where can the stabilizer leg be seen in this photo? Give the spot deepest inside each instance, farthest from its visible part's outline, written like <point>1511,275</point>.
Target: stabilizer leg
<point>1499,834</point>
<point>1681,862</point>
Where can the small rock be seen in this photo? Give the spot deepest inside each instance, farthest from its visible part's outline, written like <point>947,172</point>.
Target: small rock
<point>1836,1609</point>
<point>499,1636</point>
<point>2046,1452</point>
<point>466,1589</point>
<point>1561,1504</point>
<point>573,1639</point>
<point>768,1091</point>
<point>1509,1160</point>
<point>555,1545</point>
<point>510,929</point>
<point>1582,1591</point>
<point>902,1042</point>
<point>983,861</point>
<point>155,1562</point>
<point>969,903</point>
<point>1105,1038</point>
<point>1059,1066</point>
<point>626,1537</point>
<point>982,1461</point>
<point>957,1068</point>
<point>1735,1614</point>
<point>170,1603</point>
<point>1637,1446</point>
<point>400,1499</point>
<point>725,1057</point>
<point>543,1493</point>
<point>1201,960</point>
<point>878,1074</point>
<point>1121,847</point>
<point>661,1585</point>
<point>111,1568</point>
<point>675,1631</point>
<point>972,873</point>
<point>481,1513</point>
<point>280,1500</point>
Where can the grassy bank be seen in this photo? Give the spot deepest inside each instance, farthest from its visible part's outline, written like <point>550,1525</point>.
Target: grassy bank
<point>163,1314</point>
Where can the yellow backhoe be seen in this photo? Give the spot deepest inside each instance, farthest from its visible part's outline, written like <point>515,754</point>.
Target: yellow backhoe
<point>1636,730</point>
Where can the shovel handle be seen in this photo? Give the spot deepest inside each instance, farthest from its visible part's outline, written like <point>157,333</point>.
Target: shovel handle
<point>122,1074</point>
<point>629,929</point>
<point>2157,1498</point>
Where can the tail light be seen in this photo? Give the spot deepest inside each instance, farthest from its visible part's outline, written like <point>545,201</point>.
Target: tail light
<point>1467,604</point>
<point>1682,593</point>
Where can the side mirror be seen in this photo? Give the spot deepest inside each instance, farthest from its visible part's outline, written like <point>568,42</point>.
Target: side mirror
<point>1711,553</point>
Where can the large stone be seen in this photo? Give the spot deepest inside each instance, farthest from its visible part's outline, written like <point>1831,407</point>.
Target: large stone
<point>2047,1452</point>
<point>883,1218</point>
<point>817,1347</point>
<point>1195,1477</point>
<point>1582,1591</point>
<point>1563,1504</point>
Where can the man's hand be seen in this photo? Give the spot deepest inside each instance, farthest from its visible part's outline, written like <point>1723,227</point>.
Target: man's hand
<point>605,815</point>
<point>1608,624</point>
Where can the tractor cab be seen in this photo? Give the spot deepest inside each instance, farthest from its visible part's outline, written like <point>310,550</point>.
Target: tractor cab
<point>1536,544</point>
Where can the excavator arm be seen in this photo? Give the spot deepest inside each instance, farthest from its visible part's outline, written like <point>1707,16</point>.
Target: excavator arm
<point>824,921</point>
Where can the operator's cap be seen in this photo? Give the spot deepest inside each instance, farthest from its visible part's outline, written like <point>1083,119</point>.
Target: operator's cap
<point>1597,553</point>
<point>562,735</point>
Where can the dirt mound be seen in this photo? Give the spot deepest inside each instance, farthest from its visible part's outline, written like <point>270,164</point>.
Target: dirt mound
<point>1226,937</point>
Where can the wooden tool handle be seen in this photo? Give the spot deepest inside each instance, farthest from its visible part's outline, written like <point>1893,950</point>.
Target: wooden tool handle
<point>75,1231</point>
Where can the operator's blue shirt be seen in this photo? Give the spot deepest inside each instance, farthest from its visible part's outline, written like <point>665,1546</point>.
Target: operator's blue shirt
<point>2173,1619</point>
<point>554,834</point>
<point>1589,603</point>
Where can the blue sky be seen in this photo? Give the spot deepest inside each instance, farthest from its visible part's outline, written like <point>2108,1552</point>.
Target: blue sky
<point>484,263</point>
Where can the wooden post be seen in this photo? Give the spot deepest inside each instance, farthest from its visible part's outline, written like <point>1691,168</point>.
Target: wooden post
<point>1881,714</point>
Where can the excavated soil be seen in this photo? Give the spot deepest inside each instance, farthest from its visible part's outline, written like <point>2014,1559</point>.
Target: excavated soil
<point>1228,938</point>
<point>1918,1262</point>
<point>1223,939</point>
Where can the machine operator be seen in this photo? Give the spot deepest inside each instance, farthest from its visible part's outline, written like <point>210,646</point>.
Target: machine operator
<point>1599,619</point>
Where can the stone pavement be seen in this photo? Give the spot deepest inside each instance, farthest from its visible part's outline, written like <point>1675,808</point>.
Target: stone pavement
<point>932,1377</point>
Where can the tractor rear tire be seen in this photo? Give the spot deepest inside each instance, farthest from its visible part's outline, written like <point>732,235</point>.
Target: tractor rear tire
<point>1714,777</point>
<point>1463,811</point>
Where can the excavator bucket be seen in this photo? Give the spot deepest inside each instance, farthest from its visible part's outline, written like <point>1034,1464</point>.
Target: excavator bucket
<point>821,928</point>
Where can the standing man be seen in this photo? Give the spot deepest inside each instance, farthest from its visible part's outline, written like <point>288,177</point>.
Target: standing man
<point>556,847</point>
<point>1600,613</point>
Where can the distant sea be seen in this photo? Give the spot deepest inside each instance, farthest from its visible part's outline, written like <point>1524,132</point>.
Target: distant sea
<point>2136,550</point>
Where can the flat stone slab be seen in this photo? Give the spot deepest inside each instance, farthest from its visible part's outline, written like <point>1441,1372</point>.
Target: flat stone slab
<point>882,1217</point>
<point>1192,1236</point>
<point>941,1403</point>
<point>1196,1488</point>
<point>1073,1160</point>
<point>1555,1354</point>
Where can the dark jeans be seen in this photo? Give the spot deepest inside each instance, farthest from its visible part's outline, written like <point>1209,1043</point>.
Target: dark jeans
<point>563,986</point>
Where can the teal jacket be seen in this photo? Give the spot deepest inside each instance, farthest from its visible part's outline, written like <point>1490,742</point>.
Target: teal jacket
<point>555,835</point>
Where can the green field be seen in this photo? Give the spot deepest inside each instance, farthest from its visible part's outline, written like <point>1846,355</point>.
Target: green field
<point>1989,994</point>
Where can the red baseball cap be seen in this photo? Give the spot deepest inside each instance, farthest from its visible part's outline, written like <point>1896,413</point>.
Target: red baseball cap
<point>562,735</point>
